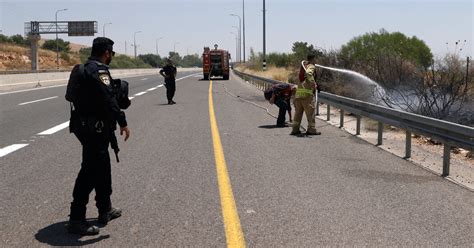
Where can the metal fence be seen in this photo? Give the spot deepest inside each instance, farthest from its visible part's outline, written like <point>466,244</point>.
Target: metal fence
<point>448,133</point>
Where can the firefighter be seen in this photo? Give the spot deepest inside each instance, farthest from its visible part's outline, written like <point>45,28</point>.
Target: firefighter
<point>304,98</point>
<point>280,95</point>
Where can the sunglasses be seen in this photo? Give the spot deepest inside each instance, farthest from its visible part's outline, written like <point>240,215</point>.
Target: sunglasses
<point>112,52</point>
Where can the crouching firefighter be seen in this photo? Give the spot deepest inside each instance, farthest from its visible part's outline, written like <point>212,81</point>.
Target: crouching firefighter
<point>96,102</point>
<point>280,95</point>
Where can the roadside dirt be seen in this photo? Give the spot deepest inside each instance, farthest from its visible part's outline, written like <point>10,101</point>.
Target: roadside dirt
<point>14,57</point>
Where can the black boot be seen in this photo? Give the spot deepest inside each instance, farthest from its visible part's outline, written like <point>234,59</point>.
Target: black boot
<point>113,213</point>
<point>82,227</point>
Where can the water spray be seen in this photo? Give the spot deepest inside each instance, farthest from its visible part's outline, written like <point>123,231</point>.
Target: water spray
<point>378,91</point>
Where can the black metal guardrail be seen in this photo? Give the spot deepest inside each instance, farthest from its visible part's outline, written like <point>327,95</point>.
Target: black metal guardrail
<point>448,133</point>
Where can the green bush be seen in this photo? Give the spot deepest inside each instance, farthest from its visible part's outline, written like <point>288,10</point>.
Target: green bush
<point>65,56</point>
<point>63,46</point>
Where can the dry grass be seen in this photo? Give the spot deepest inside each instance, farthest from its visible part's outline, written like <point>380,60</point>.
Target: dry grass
<point>13,57</point>
<point>8,48</point>
<point>280,74</point>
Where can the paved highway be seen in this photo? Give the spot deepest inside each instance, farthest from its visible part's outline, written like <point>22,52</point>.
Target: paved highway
<point>185,180</point>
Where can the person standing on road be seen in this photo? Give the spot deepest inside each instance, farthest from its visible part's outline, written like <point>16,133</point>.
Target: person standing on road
<point>304,98</point>
<point>169,73</point>
<point>280,95</point>
<point>94,115</point>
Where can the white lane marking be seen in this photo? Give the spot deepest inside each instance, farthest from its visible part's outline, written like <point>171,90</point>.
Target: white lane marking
<point>39,88</point>
<point>52,86</point>
<point>159,86</point>
<point>9,149</point>
<point>131,97</point>
<point>143,79</point>
<point>55,129</point>
<point>60,85</point>
<point>192,75</point>
<point>152,89</point>
<point>139,94</point>
<point>44,99</point>
<point>38,81</point>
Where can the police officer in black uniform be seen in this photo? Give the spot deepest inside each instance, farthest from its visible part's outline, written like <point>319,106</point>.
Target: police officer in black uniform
<point>96,114</point>
<point>169,73</point>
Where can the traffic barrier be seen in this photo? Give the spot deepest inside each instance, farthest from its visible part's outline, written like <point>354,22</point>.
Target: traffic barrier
<point>448,133</point>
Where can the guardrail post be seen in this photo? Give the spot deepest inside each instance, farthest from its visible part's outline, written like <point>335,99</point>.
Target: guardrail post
<point>380,133</point>
<point>341,123</point>
<point>317,107</point>
<point>408,144</point>
<point>328,117</point>
<point>446,158</point>
<point>358,125</point>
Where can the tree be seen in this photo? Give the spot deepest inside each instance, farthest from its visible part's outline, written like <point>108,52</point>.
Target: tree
<point>63,46</point>
<point>19,40</point>
<point>174,56</point>
<point>278,59</point>
<point>389,58</point>
<point>4,38</point>
<point>255,60</point>
<point>441,92</point>
<point>84,53</point>
<point>191,60</point>
<point>301,50</point>
<point>151,59</point>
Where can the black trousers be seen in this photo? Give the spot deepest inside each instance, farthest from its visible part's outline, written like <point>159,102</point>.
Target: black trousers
<point>95,173</point>
<point>283,106</point>
<point>170,90</point>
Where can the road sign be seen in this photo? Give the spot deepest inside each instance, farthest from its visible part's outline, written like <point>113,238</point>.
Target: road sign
<point>87,28</point>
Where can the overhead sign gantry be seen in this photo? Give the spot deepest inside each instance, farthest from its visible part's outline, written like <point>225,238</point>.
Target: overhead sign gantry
<point>34,29</point>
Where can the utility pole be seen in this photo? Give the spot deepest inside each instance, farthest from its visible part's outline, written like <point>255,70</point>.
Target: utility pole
<point>135,42</point>
<point>240,27</point>
<point>236,46</point>
<point>57,45</point>
<point>467,71</point>
<point>157,54</point>
<point>264,41</point>
<point>103,29</point>
<point>125,48</point>
<point>174,47</point>
<point>243,24</point>
<point>238,43</point>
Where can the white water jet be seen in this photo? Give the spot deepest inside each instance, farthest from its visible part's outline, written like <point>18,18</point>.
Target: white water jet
<point>378,91</point>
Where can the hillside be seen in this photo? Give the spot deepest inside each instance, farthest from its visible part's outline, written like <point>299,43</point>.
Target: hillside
<point>14,57</point>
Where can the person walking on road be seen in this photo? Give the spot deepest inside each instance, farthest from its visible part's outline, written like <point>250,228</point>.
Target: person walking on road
<point>304,98</point>
<point>95,112</point>
<point>169,73</point>
<point>280,95</point>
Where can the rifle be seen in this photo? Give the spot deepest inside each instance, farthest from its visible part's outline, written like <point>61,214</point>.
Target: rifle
<point>114,145</point>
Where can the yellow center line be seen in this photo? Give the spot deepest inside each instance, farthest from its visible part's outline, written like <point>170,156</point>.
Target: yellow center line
<point>233,231</point>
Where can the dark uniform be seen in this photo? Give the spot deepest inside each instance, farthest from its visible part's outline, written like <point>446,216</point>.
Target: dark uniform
<point>169,73</point>
<point>96,114</point>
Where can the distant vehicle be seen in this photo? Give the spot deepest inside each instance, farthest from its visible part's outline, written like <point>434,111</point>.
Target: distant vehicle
<point>215,63</point>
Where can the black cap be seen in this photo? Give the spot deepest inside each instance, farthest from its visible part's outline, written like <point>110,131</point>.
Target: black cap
<point>103,42</point>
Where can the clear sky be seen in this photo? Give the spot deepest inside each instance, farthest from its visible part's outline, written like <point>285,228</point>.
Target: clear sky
<point>189,25</point>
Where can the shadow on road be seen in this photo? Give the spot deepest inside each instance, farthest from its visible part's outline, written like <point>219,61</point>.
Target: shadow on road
<point>56,235</point>
<point>388,176</point>
<point>270,126</point>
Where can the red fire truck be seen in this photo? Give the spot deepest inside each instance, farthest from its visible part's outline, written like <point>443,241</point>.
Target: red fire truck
<point>215,63</point>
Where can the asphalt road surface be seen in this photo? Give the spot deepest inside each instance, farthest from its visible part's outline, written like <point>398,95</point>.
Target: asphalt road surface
<point>187,181</point>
